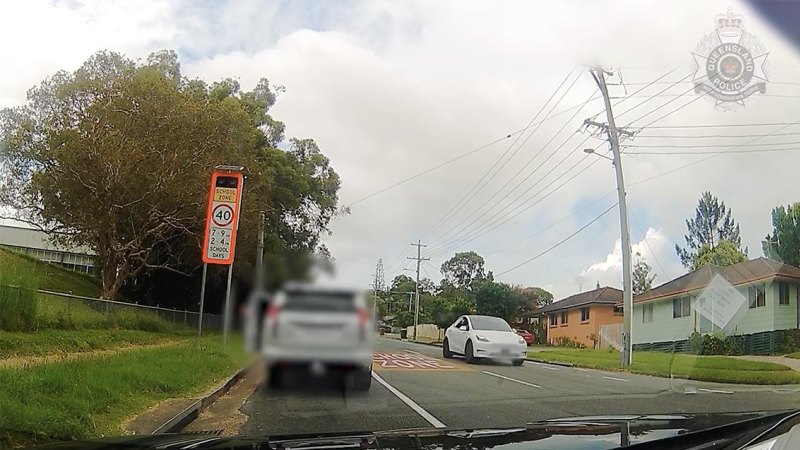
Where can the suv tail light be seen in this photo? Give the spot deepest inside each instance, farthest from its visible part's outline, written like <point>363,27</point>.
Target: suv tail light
<point>272,318</point>
<point>362,322</point>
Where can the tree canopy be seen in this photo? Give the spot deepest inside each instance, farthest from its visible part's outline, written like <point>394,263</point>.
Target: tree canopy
<point>724,254</point>
<point>712,224</point>
<point>783,244</point>
<point>463,270</point>
<point>116,156</point>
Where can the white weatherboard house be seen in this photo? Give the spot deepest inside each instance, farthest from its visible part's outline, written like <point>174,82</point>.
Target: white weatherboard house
<point>664,317</point>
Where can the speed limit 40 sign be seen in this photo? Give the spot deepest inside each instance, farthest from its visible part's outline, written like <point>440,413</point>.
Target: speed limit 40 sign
<point>222,217</point>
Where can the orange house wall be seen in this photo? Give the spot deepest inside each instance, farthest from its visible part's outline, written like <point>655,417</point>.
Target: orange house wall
<point>580,331</point>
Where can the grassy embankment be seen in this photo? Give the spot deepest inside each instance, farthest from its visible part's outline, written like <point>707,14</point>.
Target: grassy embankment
<point>90,397</point>
<point>719,369</point>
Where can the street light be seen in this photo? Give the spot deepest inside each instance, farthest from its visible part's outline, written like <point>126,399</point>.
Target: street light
<point>590,151</point>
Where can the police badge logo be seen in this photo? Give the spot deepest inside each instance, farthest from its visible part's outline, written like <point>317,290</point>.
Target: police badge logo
<point>729,64</point>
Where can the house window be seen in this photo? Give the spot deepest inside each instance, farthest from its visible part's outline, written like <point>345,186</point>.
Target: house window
<point>647,313</point>
<point>755,295</point>
<point>585,314</point>
<point>553,320</point>
<point>783,293</point>
<point>681,307</point>
<point>564,317</point>
<point>618,311</point>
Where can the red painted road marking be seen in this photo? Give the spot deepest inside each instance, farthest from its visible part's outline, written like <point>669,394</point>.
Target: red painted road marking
<point>408,361</point>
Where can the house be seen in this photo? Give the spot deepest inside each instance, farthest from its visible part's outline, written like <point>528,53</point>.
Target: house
<point>580,316</point>
<point>664,317</point>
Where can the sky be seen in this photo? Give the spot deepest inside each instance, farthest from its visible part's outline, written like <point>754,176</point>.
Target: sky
<point>390,90</point>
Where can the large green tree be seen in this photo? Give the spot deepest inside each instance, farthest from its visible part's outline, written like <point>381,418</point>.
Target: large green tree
<point>116,156</point>
<point>724,254</point>
<point>496,299</point>
<point>712,224</point>
<point>531,298</point>
<point>783,244</point>
<point>464,270</point>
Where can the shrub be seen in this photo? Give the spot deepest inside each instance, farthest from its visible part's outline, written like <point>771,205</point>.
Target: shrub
<point>566,341</point>
<point>712,344</point>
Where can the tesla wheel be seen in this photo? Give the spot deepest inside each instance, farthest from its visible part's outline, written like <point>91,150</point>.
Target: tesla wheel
<point>468,353</point>
<point>446,349</point>
<point>518,362</point>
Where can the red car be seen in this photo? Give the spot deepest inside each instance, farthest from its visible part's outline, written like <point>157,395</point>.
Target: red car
<point>526,335</point>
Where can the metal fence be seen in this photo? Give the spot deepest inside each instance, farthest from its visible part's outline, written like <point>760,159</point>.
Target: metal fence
<point>59,309</point>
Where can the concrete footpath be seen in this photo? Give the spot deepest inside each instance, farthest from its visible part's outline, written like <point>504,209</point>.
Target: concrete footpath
<point>792,363</point>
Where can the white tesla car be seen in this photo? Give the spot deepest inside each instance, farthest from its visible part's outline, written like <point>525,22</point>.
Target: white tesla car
<point>484,337</point>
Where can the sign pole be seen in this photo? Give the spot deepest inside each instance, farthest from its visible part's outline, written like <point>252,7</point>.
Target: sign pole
<point>202,301</point>
<point>227,313</point>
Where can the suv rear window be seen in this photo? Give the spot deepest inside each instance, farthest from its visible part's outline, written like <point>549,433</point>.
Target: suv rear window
<point>320,301</point>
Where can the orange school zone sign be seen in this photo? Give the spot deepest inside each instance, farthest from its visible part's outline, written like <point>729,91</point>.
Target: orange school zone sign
<point>222,217</point>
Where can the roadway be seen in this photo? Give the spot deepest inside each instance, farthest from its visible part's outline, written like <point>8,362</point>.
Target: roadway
<point>414,387</point>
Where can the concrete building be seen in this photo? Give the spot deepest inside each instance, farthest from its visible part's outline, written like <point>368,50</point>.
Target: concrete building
<point>38,245</point>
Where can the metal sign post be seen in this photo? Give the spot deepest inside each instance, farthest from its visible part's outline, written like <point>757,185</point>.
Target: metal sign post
<point>202,301</point>
<point>222,223</point>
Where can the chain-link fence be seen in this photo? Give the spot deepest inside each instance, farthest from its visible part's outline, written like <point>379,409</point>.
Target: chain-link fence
<point>64,310</point>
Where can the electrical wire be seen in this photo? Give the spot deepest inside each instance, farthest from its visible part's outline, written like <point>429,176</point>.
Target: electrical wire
<point>482,231</point>
<point>645,180</point>
<point>559,243</point>
<point>466,196</point>
<point>719,152</point>
<point>455,230</point>
<point>542,230</point>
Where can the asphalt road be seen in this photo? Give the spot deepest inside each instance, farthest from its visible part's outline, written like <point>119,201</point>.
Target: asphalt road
<point>414,387</point>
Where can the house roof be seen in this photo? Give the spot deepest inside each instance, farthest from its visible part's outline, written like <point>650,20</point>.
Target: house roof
<point>603,295</point>
<point>736,274</point>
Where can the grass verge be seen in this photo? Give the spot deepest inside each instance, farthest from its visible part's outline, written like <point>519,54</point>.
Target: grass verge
<point>90,397</point>
<point>50,342</point>
<point>795,355</point>
<point>718,369</point>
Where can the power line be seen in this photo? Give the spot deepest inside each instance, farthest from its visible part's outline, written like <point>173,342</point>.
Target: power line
<point>464,155</point>
<point>449,213</point>
<point>455,230</point>
<point>454,239</point>
<point>560,242</point>
<point>542,230</point>
<point>708,157</point>
<point>644,238</point>
<point>720,152</point>
<point>492,226</point>
<point>727,125</point>
<point>708,136</point>
<point>763,144</point>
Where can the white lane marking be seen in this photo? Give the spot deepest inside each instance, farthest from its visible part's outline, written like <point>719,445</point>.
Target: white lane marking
<point>544,366</point>
<point>582,370</point>
<point>616,379</point>
<point>411,403</point>
<point>512,379</point>
<point>715,391</point>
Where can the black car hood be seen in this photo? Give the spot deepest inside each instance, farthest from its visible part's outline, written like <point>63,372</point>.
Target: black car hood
<point>595,432</point>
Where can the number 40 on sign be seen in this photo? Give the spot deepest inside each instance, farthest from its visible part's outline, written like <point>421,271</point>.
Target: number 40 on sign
<point>222,217</point>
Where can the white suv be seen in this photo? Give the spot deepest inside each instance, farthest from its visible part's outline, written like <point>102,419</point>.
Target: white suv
<point>484,337</point>
<point>321,329</point>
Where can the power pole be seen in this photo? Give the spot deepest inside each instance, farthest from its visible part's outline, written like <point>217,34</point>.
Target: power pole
<point>419,259</point>
<point>627,280</point>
